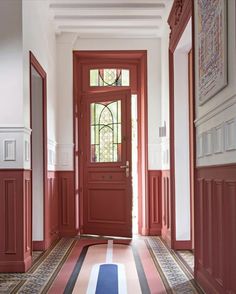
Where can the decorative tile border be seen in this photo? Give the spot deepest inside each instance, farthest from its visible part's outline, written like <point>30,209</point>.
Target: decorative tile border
<point>176,279</point>
<point>39,278</point>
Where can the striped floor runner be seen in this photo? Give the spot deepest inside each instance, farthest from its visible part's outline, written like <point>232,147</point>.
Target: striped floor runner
<point>104,266</point>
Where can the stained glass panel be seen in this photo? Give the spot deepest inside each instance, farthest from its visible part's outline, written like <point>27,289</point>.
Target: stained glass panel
<point>109,77</point>
<point>105,128</point>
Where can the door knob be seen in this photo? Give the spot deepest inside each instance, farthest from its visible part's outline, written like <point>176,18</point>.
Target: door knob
<point>126,168</point>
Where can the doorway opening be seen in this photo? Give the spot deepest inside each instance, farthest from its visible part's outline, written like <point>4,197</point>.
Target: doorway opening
<point>184,148</point>
<point>38,151</point>
<point>183,141</point>
<point>133,62</point>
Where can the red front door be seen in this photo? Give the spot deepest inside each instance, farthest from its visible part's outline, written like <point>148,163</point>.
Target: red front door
<point>107,180</point>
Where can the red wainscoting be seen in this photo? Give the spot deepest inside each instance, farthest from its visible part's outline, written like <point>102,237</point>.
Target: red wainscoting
<point>68,204</point>
<point>15,220</point>
<point>154,192</point>
<point>51,209</point>
<point>166,207</point>
<point>215,229</point>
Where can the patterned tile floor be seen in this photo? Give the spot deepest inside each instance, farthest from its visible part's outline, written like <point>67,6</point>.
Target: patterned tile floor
<point>176,277</point>
<point>36,255</point>
<point>38,279</point>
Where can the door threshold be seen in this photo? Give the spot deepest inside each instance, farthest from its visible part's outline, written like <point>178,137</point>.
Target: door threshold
<point>103,237</point>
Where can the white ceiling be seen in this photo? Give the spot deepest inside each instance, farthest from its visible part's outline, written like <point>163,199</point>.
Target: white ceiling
<point>110,18</point>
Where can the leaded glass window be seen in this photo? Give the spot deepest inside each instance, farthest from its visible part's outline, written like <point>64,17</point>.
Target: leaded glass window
<point>109,77</point>
<point>105,125</point>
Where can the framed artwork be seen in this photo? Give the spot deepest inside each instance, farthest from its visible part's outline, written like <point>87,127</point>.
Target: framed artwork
<point>211,47</point>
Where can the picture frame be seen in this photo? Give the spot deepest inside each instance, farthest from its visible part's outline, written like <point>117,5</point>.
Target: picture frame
<point>211,48</point>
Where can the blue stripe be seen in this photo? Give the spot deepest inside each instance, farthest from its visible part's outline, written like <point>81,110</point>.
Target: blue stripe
<point>107,282</point>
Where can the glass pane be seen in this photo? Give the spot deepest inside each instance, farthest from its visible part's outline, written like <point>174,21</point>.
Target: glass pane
<point>109,77</point>
<point>93,77</point>
<point>125,77</point>
<point>105,130</point>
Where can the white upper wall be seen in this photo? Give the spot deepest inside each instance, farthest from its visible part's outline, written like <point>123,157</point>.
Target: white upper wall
<point>39,37</point>
<point>11,73</point>
<point>216,118</point>
<point>165,158</point>
<point>66,44</point>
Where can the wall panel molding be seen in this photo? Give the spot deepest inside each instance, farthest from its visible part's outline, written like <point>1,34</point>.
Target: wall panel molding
<point>155,208</point>
<point>15,220</point>
<point>9,191</point>
<point>216,142</point>
<point>64,157</point>
<point>13,147</point>
<point>51,209</point>
<point>52,151</point>
<point>215,227</point>
<point>68,204</point>
<point>9,150</point>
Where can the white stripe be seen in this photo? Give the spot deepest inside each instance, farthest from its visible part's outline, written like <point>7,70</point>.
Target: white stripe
<point>109,251</point>
<point>122,286</point>
<point>92,285</point>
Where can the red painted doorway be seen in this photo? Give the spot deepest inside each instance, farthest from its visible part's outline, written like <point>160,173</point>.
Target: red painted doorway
<point>107,186</point>
<point>135,62</point>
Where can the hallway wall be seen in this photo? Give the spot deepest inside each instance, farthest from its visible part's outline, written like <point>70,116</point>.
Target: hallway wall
<point>165,157</point>
<point>39,37</point>
<point>216,119</point>
<point>28,27</point>
<point>215,197</point>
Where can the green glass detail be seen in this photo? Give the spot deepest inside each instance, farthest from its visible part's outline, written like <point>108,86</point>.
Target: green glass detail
<point>109,77</point>
<point>105,130</point>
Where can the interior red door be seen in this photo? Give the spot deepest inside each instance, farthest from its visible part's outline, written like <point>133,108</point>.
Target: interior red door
<point>107,180</point>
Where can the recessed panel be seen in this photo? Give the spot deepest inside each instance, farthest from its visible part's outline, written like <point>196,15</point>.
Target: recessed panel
<point>106,205</point>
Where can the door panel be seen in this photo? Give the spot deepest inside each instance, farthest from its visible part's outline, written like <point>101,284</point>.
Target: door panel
<point>107,186</point>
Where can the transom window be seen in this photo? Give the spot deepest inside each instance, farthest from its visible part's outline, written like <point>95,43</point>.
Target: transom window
<point>109,77</point>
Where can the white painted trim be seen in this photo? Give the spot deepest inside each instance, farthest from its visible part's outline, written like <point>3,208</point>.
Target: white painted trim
<point>9,150</point>
<point>14,147</point>
<point>215,111</point>
<point>13,129</point>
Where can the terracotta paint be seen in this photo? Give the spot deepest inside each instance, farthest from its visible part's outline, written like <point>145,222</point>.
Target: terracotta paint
<point>15,220</point>
<point>67,204</point>
<point>136,61</point>
<point>107,189</point>
<point>215,227</point>
<point>155,202</point>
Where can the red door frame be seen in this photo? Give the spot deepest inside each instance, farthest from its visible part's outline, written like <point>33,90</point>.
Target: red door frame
<point>179,17</point>
<point>128,58</point>
<point>40,245</point>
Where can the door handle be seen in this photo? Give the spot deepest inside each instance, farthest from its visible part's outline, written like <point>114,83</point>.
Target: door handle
<point>126,168</point>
